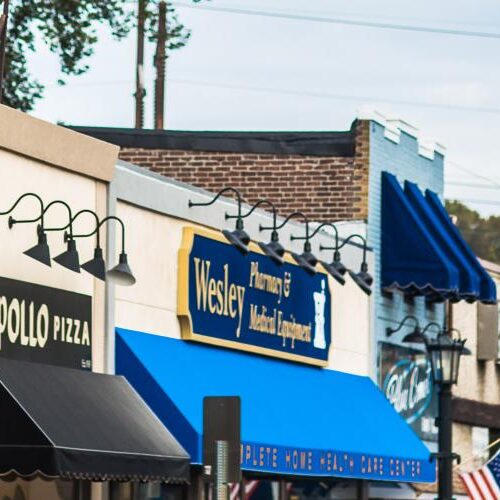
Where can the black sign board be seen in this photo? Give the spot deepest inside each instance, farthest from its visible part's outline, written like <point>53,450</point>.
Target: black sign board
<point>221,422</point>
<point>45,325</point>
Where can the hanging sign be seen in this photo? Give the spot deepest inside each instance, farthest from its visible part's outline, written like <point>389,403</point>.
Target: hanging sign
<point>45,325</point>
<point>406,380</point>
<point>248,302</point>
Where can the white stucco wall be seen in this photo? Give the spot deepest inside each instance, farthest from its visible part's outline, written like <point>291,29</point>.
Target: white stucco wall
<point>150,305</point>
<point>22,174</point>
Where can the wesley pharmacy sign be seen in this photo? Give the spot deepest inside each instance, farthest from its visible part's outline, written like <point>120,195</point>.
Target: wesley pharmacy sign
<point>250,303</point>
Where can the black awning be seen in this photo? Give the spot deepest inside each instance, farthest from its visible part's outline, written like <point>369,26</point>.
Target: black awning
<point>61,422</point>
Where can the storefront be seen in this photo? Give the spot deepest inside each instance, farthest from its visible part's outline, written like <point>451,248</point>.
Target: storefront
<point>68,429</point>
<point>206,319</point>
<point>385,177</point>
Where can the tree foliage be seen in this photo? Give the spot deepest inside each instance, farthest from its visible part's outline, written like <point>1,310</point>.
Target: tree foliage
<point>482,234</point>
<point>69,29</point>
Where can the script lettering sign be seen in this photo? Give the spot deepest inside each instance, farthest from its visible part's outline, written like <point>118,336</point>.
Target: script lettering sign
<point>250,303</point>
<point>406,380</point>
<point>45,325</point>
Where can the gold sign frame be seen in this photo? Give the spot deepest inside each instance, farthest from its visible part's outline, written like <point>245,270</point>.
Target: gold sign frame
<point>184,314</point>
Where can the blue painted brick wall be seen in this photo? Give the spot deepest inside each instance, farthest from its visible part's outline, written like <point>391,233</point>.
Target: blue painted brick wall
<point>403,160</point>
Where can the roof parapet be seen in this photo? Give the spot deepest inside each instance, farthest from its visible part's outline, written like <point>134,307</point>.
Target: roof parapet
<point>427,147</point>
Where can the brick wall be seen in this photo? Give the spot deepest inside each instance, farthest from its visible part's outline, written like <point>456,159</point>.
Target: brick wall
<point>327,188</point>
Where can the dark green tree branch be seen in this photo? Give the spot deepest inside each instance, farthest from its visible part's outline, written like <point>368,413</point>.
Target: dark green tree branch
<point>69,29</point>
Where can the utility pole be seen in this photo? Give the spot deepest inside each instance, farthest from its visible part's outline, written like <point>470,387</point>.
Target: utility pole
<point>160,63</point>
<point>3,41</point>
<point>139,78</point>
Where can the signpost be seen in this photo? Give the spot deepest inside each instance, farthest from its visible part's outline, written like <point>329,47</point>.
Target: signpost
<point>221,442</point>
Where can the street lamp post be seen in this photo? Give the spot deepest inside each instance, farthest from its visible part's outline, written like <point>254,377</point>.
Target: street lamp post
<point>444,353</point>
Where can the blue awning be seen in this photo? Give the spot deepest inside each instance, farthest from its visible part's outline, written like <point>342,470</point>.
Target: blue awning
<point>423,253</point>
<point>296,420</point>
<point>487,291</point>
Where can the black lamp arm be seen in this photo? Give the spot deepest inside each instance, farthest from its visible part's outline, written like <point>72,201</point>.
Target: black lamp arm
<point>217,196</point>
<point>429,325</point>
<point>99,225</point>
<point>403,322</point>
<point>70,224</point>
<point>316,231</point>
<point>16,203</point>
<point>293,214</point>
<point>70,217</point>
<point>347,240</point>
<point>41,217</point>
<point>252,209</point>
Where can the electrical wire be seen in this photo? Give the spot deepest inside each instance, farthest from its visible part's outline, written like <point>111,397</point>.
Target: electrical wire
<point>476,200</point>
<point>294,92</point>
<point>328,95</point>
<point>335,20</point>
<point>471,185</point>
<point>493,182</point>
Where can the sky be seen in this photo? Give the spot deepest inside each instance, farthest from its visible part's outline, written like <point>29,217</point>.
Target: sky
<point>254,72</point>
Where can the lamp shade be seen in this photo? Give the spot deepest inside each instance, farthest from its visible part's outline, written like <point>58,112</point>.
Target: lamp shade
<point>415,337</point>
<point>363,278</point>
<point>121,274</point>
<point>40,251</point>
<point>69,259</point>
<point>274,250</point>
<point>96,266</point>
<point>337,263</point>
<point>307,261</point>
<point>332,270</point>
<point>239,238</point>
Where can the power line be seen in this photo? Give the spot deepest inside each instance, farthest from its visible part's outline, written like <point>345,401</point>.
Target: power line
<point>472,185</point>
<point>328,95</point>
<point>476,200</point>
<point>473,173</point>
<point>348,22</point>
<point>294,92</point>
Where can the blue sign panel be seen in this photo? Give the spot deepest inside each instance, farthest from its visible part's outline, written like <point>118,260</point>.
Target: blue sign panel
<point>313,462</point>
<point>248,302</point>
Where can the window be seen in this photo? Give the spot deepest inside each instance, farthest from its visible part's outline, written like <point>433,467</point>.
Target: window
<point>487,332</point>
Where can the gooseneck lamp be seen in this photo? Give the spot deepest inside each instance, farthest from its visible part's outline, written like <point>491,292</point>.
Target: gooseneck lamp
<point>306,259</point>
<point>69,258</point>
<point>362,278</point>
<point>239,238</point>
<point>273,249</point>
<point>391,331</point>
<point>40,252</point>
<point>96,266</point>
<point>336,269</point>
<point>121,274</point>
<point>417,336</point>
